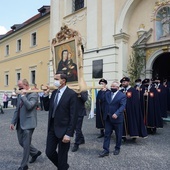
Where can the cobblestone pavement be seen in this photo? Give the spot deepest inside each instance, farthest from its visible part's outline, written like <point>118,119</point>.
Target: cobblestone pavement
<point>152,153</point>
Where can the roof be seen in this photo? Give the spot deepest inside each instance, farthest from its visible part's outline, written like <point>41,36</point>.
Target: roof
<point>43,11</point>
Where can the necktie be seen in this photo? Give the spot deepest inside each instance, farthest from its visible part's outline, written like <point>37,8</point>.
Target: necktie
<point>55,103</point>
<point>112,96</point>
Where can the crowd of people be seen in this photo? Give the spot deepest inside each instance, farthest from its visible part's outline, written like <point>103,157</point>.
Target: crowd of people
<point>12,99</point>
<point>136,116</point>
<point>132,112</point>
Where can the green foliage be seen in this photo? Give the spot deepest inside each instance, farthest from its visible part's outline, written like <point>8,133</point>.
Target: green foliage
<point>136,64</point>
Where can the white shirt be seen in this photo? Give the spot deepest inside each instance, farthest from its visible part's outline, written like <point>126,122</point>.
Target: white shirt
<point>61,93</point>
<point>114,94</point>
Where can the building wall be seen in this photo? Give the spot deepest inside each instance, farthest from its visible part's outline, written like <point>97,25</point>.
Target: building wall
<point>29,58</point>
<point>96,30</point>
<point>138,17</point>
<point>109,30</point>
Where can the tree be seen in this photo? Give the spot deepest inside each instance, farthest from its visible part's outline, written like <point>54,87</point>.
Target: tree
<point>136,64</point>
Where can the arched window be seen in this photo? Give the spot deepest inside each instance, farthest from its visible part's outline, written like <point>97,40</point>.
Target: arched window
<point>162,23</point>
<point>78,4</point>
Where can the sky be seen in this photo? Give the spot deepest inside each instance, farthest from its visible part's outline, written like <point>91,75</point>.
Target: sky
<point>18,11</point>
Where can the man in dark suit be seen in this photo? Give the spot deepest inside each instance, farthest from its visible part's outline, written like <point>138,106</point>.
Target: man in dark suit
<point>79,138</point>
<point>115,102</point>
<point>62,121</point>
<point>25,117</point>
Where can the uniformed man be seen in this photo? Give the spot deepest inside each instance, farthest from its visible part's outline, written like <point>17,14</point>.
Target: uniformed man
<point>151,107</point>
<point>100,107</point>
<point>133,120</point>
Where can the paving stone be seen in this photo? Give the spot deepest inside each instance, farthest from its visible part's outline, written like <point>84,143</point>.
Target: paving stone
<point>152,153</point>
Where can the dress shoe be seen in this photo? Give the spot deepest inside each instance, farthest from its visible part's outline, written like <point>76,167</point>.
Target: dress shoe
<point>82,142</point>
<point>33,159</point>
<point>133,139</point>
<point>124,139</point>
<point>23,168</point>
<point>116,152</point>
<point>103,154</point>
<point>101,135</point>
<point>75,148</point>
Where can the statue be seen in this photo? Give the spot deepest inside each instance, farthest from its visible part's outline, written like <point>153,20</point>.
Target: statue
<point>165,25</point>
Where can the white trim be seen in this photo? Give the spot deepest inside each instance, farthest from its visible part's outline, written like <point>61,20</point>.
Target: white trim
<point>32,68</point>
<point>151,60</point>
<point>31,39</point>
<point>16,76</point>
<point>122,20</point>
<point>7,54</point>
<point>17,49</point>
<point>6,73</point>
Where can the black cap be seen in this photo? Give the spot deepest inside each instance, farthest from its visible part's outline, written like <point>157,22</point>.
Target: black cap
<point>145,81</point>
<point>103,80</point>
<point>125,79</point>
<point>138,80</point>
<point>157,78</point>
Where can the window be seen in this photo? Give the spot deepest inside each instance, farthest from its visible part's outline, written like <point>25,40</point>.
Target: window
<point>6,80</point>
<point>78,4</point>
<point>18,76</point>
<point>7,50</point>
<point>18,45</point>
<point>162,23</point>
<point>33,39</point>
<point>33,77</point>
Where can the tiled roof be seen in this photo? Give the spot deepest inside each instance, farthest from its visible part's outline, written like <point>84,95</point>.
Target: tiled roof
<point>43,11</point>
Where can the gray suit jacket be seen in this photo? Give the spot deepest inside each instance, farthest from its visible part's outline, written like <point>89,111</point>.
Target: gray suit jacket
<point>28,114</point>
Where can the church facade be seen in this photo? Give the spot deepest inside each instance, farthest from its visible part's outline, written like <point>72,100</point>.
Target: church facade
<point>110,29</point>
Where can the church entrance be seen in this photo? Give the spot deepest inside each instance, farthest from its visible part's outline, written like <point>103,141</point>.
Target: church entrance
<point>161,66</point>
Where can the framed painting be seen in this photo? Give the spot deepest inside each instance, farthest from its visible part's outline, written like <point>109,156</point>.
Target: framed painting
<point>66,60</point>
<point>67,57</point>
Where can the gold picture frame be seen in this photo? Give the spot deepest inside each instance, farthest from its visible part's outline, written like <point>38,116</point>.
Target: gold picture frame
<point>69,41</point>
<point>66,60</point>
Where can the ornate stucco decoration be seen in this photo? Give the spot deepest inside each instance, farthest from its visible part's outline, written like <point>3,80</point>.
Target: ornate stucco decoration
<point>65,34</point>
<point>150,52</point>
<point>161,19</point>
<point>143,38</point>
<point>141,30</point>
<point>77,17</point>
<point>158,4</point>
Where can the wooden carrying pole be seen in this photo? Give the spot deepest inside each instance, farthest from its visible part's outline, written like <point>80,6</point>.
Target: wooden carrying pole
<point>43,88</point>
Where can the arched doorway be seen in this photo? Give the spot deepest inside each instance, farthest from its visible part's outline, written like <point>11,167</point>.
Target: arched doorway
<point>161,66</point>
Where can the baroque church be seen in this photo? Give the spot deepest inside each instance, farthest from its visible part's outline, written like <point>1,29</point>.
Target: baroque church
<point>111,29</point>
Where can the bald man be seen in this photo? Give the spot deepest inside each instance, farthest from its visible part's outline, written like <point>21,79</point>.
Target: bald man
<point>115,102</point>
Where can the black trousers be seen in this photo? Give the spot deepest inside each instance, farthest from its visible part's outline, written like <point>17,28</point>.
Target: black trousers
<point>79,138</point>
<point>41,103</point>
<point>56,150</point>
<point>5,104</point>
<point>109,126</point>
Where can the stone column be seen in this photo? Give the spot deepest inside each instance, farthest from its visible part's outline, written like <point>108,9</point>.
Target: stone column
<point>108,7</point>
<point>122,58</point>
<point>54,28</point>
<point>148,73</point>
<point>55,22</point>
<point>92,20</point>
